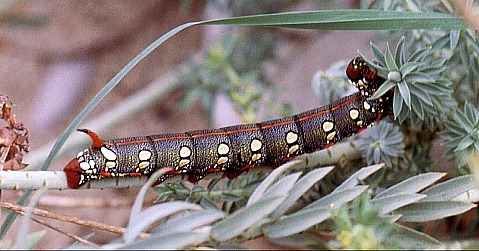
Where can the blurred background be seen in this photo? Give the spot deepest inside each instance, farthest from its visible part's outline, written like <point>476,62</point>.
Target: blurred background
<point>56,55</point>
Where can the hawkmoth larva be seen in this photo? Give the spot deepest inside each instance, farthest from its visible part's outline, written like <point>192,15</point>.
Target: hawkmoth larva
<point>234,149</point>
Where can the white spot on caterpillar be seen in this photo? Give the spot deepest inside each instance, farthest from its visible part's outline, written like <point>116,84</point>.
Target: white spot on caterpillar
<point>144,155</point>
<point>366,105</point>
<point>331,136</point>
<point>293,149</point>
<point>328,126</point>
<point>354,113</point>
<point>110,164</point>
<point>256,156</point>
<point>223,149</point>
<point>84,166</point>
<point>185,152</point>
<point>184,162</point>
<point>291,137</point>
<point>108,154</point>
<point>361,84</point>
<point>82,179</point>
<point>222,160</point>
<point>143,165</point>
<point>256,145</point>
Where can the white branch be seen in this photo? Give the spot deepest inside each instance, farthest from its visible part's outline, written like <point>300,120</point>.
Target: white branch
<point>22,180</point>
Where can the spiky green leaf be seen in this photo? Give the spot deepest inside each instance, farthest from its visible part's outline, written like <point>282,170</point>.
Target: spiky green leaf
<point>260,190</point>
<point>297,222</point>
<point>361,174</point>
<point>432,210</point>
<point>238,222</point>
<point>301,187</point>
<point>152,214</point>
<point>337,198</point>
<point>449,189</point>
<point>412,185</point>
<point>386,204</point>
<point>408,238</point>
<point>189,221</point>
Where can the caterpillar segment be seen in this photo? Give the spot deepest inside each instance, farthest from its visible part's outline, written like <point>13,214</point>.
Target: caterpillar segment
<point>235,149</point>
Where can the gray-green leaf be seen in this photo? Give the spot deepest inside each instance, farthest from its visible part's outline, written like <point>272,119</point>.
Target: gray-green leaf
<point>408,238</point>
<point>413,184</point>
<point>236,223</point>
<point>432,210</point>
<point>301,187</point>
<point>297,222</point>
<point>361,174</point>
<point>386,204</point>
<point>449,189</point>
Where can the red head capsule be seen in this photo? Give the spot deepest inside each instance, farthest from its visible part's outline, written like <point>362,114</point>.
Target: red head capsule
<point>358,69</point>
<point>354,69</point>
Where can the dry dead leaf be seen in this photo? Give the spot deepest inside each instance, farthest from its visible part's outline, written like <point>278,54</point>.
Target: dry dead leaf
<point>13,138</point>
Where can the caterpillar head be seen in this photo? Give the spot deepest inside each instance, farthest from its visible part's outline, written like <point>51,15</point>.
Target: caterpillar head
<point>364,78</point>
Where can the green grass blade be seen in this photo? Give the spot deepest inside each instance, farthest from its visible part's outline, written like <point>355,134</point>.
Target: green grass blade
<point>22,233</point>
<point>349,20</point>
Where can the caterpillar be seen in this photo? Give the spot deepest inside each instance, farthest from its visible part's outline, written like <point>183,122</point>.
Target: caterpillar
<point>235,149</point>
